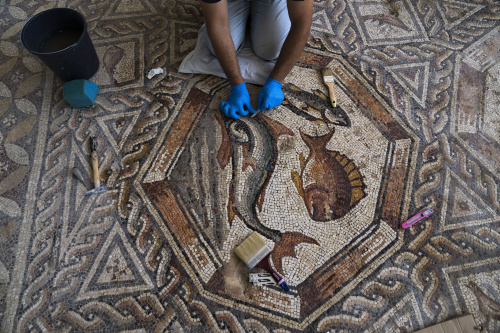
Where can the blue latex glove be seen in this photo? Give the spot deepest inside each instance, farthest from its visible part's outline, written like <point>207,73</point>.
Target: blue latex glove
<point>270,96</point>
<point>238,104</point>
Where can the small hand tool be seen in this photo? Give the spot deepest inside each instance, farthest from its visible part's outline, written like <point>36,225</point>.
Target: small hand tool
<point>78,174</point>
<point>254,252</point>
<point>329,81</point>
<point>95,169</point>
<point>417,217</point>
<point>261,279</point>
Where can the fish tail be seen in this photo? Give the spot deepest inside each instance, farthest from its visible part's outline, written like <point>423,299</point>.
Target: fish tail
<point>316,143</point>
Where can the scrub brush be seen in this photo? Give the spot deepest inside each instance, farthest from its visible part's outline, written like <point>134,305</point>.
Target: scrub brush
<point>328,79</point>
<point>254,252</point>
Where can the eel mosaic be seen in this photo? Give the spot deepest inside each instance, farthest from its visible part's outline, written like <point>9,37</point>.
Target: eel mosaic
<point>252,143</point>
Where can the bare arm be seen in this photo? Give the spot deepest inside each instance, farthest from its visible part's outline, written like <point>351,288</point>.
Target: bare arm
<point>216,18</point>
<point>300,13</point>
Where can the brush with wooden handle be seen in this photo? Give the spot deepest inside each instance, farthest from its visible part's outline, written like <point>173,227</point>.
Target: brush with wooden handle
<point>94,161</point>
<point>254,252</point>
<point>95,168</point>
<point>329,81</point>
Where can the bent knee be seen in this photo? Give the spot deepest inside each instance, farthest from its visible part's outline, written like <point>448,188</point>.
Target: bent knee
<point>268,52</point>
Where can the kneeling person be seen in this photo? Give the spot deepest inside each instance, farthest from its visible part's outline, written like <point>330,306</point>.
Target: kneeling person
<point>279,30</point>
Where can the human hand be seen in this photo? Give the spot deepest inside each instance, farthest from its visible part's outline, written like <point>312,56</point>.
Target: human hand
<point>238,104</point>
<point>270,96</point>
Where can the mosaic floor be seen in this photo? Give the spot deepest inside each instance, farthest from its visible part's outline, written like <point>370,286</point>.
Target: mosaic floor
<point>417,127</point>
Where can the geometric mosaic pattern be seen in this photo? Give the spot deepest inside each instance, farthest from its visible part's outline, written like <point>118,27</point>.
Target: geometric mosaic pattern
<point>417,127</point>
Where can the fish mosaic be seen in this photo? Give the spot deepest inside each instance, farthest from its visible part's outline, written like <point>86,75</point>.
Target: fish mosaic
<point>111,59</point>
<point>383,20</point>
<point>329,183</point>
<point>314,106</point>
<point>250,142</point>
<point>156,253</point>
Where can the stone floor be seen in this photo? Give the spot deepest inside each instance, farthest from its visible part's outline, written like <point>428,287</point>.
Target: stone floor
<point>417,127</point>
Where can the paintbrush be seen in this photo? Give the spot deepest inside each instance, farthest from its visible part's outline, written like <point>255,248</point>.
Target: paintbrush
<point>254,252</point>
<point>95,168</point>
<point>329,80</point>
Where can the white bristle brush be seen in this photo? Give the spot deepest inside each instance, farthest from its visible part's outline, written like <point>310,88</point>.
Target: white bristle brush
<point>254,252</point>
<point>329,81</point>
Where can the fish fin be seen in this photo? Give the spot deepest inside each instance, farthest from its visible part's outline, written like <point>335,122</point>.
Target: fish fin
<point>310,108</point>
<point>230,207</point>
<point>320,94</point>
<point>357,182</point>
<point>260,199</point>
<point>262,192</point>
<point>298,182</point>
<point>349,167</point>
<point>276,127</point>
<point>354,175</point>
<point>226,147</point>
<point>286,247</point>
<point>310,111</point>
<point>224,155</point>
<point>342,159</point>
<point>263,182</point>
<point>313,120</point>
<point>293,87</point>
<point>302,161</point>
<point>357,193</point>
<point>355,178</point>
<point>248,160</point>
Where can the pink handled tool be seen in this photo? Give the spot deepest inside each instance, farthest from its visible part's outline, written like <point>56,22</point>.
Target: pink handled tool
<point>417,217</point>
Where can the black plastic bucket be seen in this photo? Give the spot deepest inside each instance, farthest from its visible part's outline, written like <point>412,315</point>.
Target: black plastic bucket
<point>60,39</point>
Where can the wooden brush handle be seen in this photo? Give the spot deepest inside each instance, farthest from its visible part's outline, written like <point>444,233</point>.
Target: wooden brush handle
<point>95,169</point>
<point>332,94</point>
